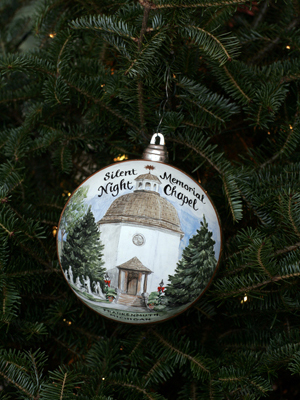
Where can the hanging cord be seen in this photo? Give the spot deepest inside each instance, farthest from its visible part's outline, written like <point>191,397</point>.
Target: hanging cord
<point>163,104</point>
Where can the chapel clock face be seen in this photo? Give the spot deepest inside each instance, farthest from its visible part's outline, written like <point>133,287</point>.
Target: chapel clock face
<point>139,241</point>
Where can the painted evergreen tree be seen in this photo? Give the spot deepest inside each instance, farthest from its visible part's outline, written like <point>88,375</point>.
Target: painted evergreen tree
<point>194,270</point>
<point>73,212</point>
<point>83,250</point>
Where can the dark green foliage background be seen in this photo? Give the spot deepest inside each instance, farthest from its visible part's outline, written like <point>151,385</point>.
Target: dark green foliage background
<point>85,81</point>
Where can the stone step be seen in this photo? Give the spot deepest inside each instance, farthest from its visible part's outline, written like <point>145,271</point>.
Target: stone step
<point>139,302</point>
<point>129,300</point>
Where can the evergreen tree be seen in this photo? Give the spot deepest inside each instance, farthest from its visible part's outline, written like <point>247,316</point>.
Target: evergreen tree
<point>87,82</point>
<point>73,212</point>
<point>194,269</point>
<point>83,250</point>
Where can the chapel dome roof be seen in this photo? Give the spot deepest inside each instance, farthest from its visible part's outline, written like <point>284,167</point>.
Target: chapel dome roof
<point>143,207</point>
<point>147,177</point>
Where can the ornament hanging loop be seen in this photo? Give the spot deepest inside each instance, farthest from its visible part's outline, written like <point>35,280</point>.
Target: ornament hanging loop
<point>161,139</point>
<point>156,152</point>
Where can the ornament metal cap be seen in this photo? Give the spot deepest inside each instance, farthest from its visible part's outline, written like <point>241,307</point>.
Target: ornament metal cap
<point>156,152</point>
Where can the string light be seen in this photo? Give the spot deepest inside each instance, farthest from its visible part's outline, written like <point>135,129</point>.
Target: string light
<point>54,231</point>
<point>52,35</point>
<point>269,133</point>
<point>69,194</point>
<point>103,379</point>
<point>244,299</point>
<point>291,127</point>
<point>288,47</point>
<point>121,158</point>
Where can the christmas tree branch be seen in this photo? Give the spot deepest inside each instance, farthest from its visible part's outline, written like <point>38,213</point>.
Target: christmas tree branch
<point>87,24</point>
<point>258,116</point>
<point>194,391</point>
<point>287,249</point>
<point>281,151</point>
<point>51,205</point>
<point>198,151</point>
<point>289,78</point>
<point>66,345</point>
<point>200,106</point>
<point>260,261</point>
<point>203,312</point>
<point>141,102</point>
<point>60,54</point>
<point>48,8</point>
<point>195,5</point>
<point>184,355</point>
<point>154,368</point>
<point>274,254</point>
<point>214,38</point>
<point>36,371</point>
<point>86,333</point>
<point>140,83</point>
<point>138,343</point>
<point>235,83</point>
<point>37,257</point>
<point>135,387</point>
<point>274,42</point>
<point>228,197</point>
<point>63,386</point>
<point>260,16</point>
<point>31,272</point>
<point>30,67</point>
<point>188,123</point>
<point>15,99</point>
<point>10,233</point>
<point>103,105</point>
<point>247,289</point>
<point>144,24</point>
<point>291,218</point>
<point>43,296</point>
<point>17,385</point>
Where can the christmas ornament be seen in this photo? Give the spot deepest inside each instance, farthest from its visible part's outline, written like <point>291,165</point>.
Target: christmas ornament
<point>139,241</point>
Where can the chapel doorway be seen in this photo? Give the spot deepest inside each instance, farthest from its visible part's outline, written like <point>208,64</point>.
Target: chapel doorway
<point>132,283</point>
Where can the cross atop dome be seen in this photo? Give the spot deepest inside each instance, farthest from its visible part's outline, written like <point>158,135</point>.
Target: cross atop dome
<point>150,168</point>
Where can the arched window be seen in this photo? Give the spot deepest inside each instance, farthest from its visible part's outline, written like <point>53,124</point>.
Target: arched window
<point>140,184</point>
<point>154,186</point>
<point>148,185</point>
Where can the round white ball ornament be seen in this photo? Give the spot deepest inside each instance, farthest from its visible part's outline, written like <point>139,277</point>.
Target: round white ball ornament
<point>139,241</point>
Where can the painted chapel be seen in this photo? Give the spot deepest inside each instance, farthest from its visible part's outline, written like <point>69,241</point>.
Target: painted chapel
<point>141,234</point>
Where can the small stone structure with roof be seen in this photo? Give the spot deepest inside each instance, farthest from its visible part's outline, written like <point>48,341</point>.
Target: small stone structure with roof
<point>134,271</point>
